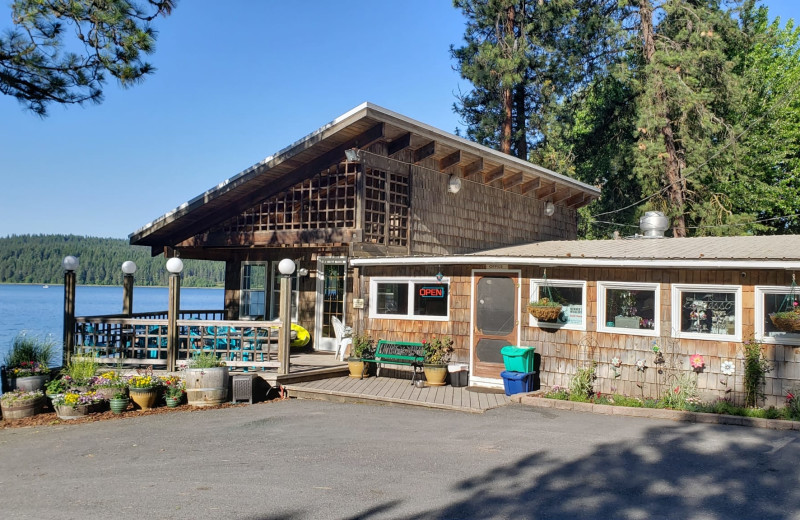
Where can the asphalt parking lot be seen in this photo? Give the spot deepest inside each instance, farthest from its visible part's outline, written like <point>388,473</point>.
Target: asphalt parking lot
<point>300,459</point>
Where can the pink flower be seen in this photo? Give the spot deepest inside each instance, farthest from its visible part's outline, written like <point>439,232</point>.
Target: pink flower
<point>697,361</point>
<point>677,390</point>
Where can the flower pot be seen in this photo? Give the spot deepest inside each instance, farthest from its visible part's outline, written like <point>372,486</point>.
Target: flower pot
<point>435,375</point>
<point>544,312</point>
<point>118,405</point>
<point>356,368</point>
<point>21,409</point>
<point>173,402</point>
<point>30,383</point>
<point>144,398</point>
<point>67,412</point>
<point>206,386</point>
<point>107,392</point>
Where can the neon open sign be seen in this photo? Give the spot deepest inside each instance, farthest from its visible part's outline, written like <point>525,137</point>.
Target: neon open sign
<point>435,291</point>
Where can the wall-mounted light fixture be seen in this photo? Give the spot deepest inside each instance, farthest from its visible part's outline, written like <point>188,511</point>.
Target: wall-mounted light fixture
<point>549,209</point>
<point>302,272</point>
<point>454,184</point>
<point>353,155</point>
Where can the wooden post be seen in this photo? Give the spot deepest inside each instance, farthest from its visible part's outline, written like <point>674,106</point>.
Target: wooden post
<point>69,316</point>
<point>285,338</point>
<point>172,319</point>
<point>127,294</point>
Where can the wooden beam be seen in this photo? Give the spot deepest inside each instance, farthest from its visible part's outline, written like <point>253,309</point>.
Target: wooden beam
<point>449,160</point>
<point>401,143</point>
<point>575,200</point>
<point>510,181</point>
<point>546,190</point>
<point>472,168</point>
<point>532,184</point>
<point>495,174</point>
<point>424,151</point>
<point>560,194</point>
<point>273,238</point>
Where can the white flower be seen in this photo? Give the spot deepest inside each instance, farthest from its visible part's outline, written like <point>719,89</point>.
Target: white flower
<point>615,361</point>
<point>728,368</point>
<point>640,364</point>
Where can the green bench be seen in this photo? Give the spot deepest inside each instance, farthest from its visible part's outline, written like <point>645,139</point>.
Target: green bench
<point>397,353</point>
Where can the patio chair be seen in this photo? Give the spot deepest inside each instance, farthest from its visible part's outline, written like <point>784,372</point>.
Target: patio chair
<point>343,337</point>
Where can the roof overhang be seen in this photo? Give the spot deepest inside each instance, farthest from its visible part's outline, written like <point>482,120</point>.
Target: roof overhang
<point>360,127</point>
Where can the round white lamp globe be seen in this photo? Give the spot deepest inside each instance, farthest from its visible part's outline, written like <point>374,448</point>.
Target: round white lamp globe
<point>174,265</point>
<point>70,263</point>
<point>286,266</point>
<point>128,267</point>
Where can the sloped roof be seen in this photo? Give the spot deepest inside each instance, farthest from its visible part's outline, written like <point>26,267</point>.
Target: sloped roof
<point>365,124</point>
<point>775,251</point>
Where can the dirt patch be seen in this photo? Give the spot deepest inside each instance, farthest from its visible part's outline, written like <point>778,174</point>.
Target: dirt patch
<point>49,418</point>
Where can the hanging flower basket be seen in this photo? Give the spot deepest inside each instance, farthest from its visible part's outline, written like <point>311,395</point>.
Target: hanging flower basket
<point>786,321</point>
<point>544,310</point>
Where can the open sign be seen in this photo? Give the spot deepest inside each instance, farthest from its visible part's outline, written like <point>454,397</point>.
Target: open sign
<point>431,291</point>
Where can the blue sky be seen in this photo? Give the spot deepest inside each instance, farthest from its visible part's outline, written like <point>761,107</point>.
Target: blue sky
<point>236,82</point>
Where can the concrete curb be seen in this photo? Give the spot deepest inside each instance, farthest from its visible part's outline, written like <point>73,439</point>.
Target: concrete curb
<point>535,399</point>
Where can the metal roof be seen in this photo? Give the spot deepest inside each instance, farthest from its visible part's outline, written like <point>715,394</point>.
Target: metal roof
<point>281,170</point>
<point>774,251</point>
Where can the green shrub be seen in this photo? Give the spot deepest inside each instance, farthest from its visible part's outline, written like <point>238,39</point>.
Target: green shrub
<point>581,386</point>
<point>27,349</point>
<point>203,359</point>
<point>81,369</point>
<point>681,393</point>
<point>756,368</point>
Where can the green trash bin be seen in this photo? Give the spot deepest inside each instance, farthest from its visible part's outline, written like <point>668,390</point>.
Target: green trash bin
<point>518,359</point>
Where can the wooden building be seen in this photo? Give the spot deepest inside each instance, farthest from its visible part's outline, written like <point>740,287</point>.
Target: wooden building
<point>621,298</point>
<point>406,189</point>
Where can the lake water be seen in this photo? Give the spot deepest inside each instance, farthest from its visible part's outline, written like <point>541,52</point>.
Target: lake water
<point>40,312</point>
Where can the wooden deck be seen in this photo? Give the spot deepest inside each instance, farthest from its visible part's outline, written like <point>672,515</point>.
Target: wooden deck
<point>399,391</point>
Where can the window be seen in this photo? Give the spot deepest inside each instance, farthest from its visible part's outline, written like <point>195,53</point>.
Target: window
<point>629,308</point>
<point>259,298</point>
<point>572,297</point>
<point>771,299</point>
<point>707,311</point>
<point>415,298</point>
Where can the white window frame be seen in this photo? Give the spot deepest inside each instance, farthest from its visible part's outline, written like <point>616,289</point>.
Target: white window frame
<point>410,280</point>
<point>676,305</point>
<point>535,287</point>
<point>602,287</point>
<point>787,338</point>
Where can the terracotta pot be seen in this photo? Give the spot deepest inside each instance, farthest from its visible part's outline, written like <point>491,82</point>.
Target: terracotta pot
<point>67,412</point>
<point>144,398</point>
<point>20,410</point>
<point>435,375</point>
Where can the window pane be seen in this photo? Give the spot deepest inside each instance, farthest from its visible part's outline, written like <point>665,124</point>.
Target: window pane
<point>392,298</point>
<point>496,305</point>
<point>778,303</point>
<point>430,299</point>
<point>630,309</point>
<point>708,312</point>
<point>571,300</point>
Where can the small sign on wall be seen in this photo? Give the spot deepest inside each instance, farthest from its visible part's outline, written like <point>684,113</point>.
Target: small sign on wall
<point>496,266</point>
<point>358,303</point>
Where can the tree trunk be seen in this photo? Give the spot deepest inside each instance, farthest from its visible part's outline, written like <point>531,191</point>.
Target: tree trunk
<point>521,120</point>
<point>508,102</point>
<point>676,184</point>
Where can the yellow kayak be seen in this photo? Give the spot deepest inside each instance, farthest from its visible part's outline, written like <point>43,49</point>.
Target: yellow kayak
<point>301,336</point>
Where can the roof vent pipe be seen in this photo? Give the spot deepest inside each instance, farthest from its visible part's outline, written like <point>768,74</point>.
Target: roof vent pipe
<point>653,224</point>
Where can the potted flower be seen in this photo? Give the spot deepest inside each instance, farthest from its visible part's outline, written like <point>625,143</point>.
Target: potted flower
<point>789,320</point>
<point>544,309</point>
<point>361,348</point>
<point>144,389</point>
<point>173,390</point>
<point>206,380</point>
<point>119,402</point>
<point>108,383</point>
<point>28,362</point>
<point>437,354</point>
<point>80,371</point>
<point>18,404</point>
<point>72,404</point>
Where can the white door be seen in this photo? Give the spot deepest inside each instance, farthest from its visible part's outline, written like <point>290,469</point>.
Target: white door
<point>331,284</point>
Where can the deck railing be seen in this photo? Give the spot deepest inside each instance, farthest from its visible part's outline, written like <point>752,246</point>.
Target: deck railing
<point>141,338</point>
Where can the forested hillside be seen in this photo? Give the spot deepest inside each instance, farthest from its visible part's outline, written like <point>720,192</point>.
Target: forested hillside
<point>37,259</point>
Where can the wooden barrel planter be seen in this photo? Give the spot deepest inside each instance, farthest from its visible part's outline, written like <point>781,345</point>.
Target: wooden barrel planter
<point>30,383</point>
<point>22,409</point>
<point>206,386</point>
<point>68,412</point>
